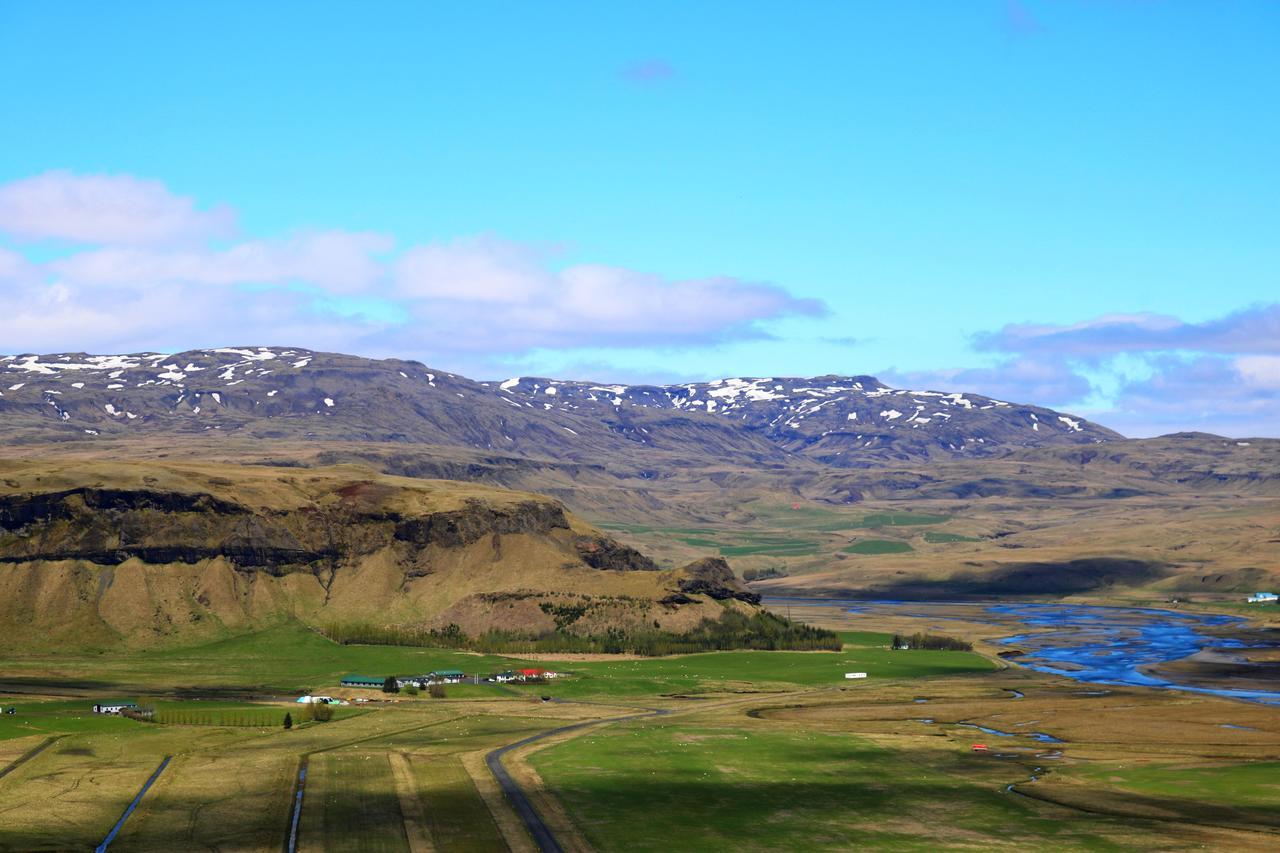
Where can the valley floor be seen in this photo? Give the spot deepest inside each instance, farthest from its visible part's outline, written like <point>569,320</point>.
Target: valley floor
<point>754,751</point>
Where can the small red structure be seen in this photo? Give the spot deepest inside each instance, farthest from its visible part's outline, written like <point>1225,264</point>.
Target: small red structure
<point>979,747</point>
<point>533,673</point>
<point>795,506</point>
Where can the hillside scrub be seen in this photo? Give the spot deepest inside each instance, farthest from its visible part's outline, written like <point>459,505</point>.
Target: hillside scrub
<point>759,631</point>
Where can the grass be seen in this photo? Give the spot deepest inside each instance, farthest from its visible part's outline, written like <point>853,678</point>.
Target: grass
<point>721,671</point>
<point>717,786</point>
<point>351,804</point>
<point>58,717</point>
<point>937,537</point>
<point>459,820</point>
<point>1253,784</point>
<point>878,546</point>
<point>288,659</point>
<point>898,519</point>
<point>771,546</point>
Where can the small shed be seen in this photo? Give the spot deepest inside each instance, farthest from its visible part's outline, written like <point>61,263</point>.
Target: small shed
<point>373,682</point>
<point>114,706</point>
<point>855,675</point>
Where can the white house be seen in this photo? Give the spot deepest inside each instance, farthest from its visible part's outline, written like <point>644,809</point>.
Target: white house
<point>855,675</point>
<point>114,707</point>
<point>1259,597</point>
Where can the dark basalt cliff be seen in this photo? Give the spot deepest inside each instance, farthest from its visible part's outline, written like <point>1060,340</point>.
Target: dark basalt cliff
<point>109,526</point>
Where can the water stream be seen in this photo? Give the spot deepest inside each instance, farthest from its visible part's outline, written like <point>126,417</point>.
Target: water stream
<point>1089,643</point>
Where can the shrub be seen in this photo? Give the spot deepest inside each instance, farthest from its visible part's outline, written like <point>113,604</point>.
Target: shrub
<point>410,689</point>
<point>436,690</point>
<point>288,720</point>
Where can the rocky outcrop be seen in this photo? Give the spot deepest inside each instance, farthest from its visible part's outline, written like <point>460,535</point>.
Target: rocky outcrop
<point>712,576</point>
<point>477,520</point>
<point>601,553</point>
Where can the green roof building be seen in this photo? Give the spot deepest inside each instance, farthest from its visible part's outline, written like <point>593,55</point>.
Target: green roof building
<point>374,681</point>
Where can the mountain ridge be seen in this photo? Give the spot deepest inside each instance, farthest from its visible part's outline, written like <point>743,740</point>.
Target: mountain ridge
<point>279,392</point>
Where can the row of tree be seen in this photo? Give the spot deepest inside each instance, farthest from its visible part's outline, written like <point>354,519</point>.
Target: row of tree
<point>937,642</point>
<point>733,630</point>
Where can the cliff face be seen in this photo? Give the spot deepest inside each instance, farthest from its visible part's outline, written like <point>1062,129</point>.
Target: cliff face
<point>102,553</point>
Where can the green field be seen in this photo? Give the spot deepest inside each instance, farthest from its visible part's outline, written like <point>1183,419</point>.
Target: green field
<point>457,816</point>
<point>741,785</point>
<point>937,537</point>
<point>351,803</point>
<point>717,671</point>
<point>878,546</point>
<point>1254,784</point>
<point>899,519</point>
<point>57,717</point>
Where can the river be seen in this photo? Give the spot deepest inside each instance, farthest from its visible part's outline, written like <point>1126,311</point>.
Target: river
<point>1088,643</point>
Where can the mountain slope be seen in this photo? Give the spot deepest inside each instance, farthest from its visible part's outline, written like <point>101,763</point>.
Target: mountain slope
<point>282,393</point>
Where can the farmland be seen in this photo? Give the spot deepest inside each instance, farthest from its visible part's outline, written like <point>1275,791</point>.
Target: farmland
<point>777,740</point>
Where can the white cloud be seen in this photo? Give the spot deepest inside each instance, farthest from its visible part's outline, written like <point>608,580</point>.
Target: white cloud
<point>476,269</point>
<point>495,295</point>
<point>158,279</point>
<point>1260,371</point>
<point>336,261</point>
<point>106,209</point>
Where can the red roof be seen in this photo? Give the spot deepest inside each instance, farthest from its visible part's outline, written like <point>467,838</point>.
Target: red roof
<point>532,671</point>
<point>979,747</point>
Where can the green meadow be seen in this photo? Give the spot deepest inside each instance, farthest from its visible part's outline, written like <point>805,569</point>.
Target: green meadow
<point>738,784</point>
<point>878,546</point>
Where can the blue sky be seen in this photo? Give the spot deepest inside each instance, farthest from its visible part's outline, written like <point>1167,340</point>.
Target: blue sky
<point>1069,203</point>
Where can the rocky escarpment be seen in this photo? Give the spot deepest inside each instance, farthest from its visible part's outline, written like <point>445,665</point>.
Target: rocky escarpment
<point>110,526</point>
<point>139,552</point>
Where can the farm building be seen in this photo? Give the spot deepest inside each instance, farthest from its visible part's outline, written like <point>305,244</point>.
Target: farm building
<point>316,700</point>
<point>447,676</point>
<point>374,682</point>
<point>503,677</point>
<point>1260,597</point>
<point>855,675</point>
<point>114,707</point>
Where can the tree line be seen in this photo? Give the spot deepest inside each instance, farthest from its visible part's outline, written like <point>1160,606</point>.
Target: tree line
<point>762,631</point>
